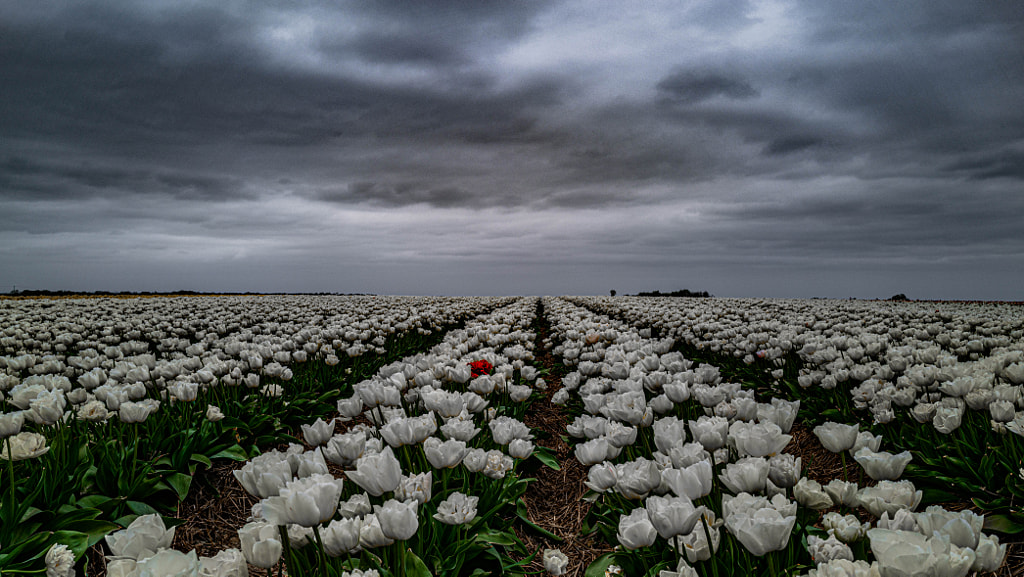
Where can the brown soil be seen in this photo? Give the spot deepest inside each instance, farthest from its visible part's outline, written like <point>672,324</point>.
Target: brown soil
<point>819,463</point>
<point>215,509</point>
<point>554,501</point>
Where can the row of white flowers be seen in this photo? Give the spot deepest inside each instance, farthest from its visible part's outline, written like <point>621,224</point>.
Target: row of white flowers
<point>934,360</point>
<point>419,419</point>
<point>433,441</point>
<point>628,382</point>
<point>70,354</point>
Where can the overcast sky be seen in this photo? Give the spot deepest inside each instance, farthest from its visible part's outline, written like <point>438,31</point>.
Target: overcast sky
<point>778,148</point>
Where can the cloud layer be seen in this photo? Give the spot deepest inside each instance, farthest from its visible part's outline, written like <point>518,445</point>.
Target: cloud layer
<point>782,148</point>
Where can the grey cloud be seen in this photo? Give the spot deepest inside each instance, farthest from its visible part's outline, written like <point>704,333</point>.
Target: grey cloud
<point>876,223</point>
<point>146,87</point>
<point>589,198</point>
<point>441,35</point>
<point>834,21</point>
<point>399,194</point>
<point>1003,164</point>
<point>720,14</point>
<point>786,145</point>
<point>391,49</point>
<point>27,179</point>
<point>691,87</point>
<point>750,149</point>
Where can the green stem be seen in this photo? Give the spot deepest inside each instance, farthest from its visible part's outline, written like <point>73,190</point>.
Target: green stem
<point>287,546</point>
<point>711,549</point>
<point>323,552</point>
<point>9,514</point>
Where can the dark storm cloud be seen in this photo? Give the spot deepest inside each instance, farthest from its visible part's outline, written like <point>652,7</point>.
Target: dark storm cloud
<point>688,87</point>
<point>607,139</point>
<point>27,179</point>
<point>401,194</point>
<point>1003,164</point>
<point>720,14</point>
<point>792,144</point>
<point>835,21</point>
<point>877,222</point>
<point>90,80</point>
<point>396,48</point>
<point>438,34</point>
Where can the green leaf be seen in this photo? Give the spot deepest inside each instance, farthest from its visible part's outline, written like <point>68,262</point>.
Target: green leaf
<point>29,513</point>
<point>234,423</point>
<point>71,518</point>
<point>140,508</point>
<point>234,452</point>
<point>414,566</point>
<point>496,537</point>
<point>1015,487</point>
<point>180,482</point>
<point>93,501</point>
<point>36,541</point>
<point>657,569</point>
<point>993,505</point>
<point>930,495</point>
<point>545,456</point>
<point>987,466</point>
<point>516,490</point>
<point>126,519</point>
<point>508,567</point>
<point>326,397</point>
<point>202,459</point>
<point>96,529</point>
<point>171,521</point>
<point>1003,524</point>
<point>76,541</point>
<point>599,566</point>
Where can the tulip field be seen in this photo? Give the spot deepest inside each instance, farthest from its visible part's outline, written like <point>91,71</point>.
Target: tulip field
<point>394,436</point>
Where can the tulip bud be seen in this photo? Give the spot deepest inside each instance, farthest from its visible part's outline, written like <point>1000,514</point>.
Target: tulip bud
<point>415,488</point>
<point>457,509</point>
<point>555,562</point>
<point>397,519</point>
<point>601,477</point>
<point>672,516</point>
<point>809,493</point>
<point>318,433</point>
<point>836,437</point>
<point>11,423</point>
<point>636,530</point>
<point>377,474</point>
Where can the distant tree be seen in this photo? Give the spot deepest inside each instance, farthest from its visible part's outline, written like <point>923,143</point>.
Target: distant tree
<point>613,292</point>
<point>899,297</point>
<point>678,293</point>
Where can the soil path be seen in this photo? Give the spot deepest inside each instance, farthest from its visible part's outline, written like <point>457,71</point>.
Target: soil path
<point>554,501</point>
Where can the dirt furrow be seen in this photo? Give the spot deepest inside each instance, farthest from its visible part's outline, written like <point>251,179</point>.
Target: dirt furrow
<point>554,501</point>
